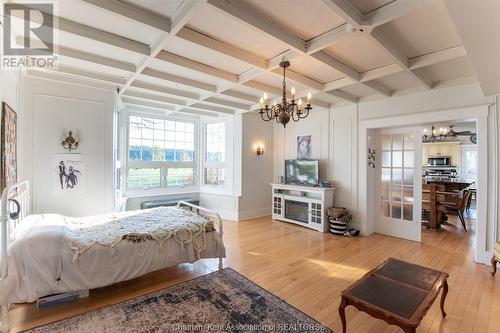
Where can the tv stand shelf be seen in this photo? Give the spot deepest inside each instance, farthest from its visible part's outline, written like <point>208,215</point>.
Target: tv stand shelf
<point>302,205</point>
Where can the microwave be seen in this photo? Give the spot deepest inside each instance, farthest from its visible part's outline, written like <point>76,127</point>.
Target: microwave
<point>439,161</point>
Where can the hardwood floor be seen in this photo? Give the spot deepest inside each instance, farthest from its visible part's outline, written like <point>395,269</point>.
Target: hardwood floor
<point>309,269</point>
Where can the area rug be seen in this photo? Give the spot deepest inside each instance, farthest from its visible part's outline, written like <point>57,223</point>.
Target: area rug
<point>222,301</point>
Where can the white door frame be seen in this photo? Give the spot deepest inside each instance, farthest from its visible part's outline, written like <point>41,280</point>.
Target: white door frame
<point>486,216</point>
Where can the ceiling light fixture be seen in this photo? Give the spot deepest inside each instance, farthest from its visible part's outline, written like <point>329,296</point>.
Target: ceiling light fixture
<point>442,133</point>
<point>287,110</point>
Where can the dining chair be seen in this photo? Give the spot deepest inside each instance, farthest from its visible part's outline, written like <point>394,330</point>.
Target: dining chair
<point>459,206</point>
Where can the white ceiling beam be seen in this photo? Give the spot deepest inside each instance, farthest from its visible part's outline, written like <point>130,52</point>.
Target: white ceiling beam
<point>180,18</point>
<point>179,80</point>
<point>82,55</point>
<point>263,87</point>
<point>165,90</point>
<point>299,78</point>
<point>437,57</point>
<point>168,109</point>
<point>196,66</point>
<point>334,63</point>
<point>328,38</point>
<point>208,107</point>
<point>289,55</point>
<point>90,75</point>
<point>398,56</point>
<point>380,88</point>
<point>153,97</point>
<point>222,47</point>
<point>134,13</point>
<point>394,10</point>
<point>377,73</point>
<point>240,95</point>
<point>255,20</point>
<point>231,104</point>
<point>146,103</point>
<point>343,95</point>
<point>347,11</point>
<point>198,112</point>
<point>89,32</point>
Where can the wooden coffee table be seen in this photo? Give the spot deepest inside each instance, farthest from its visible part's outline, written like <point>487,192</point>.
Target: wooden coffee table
<point>398,292</point>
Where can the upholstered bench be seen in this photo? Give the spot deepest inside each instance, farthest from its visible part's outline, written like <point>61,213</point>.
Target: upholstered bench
<point>168,202</point>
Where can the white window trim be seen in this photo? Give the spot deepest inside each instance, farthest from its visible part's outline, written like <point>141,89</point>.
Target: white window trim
<point>227,187</point>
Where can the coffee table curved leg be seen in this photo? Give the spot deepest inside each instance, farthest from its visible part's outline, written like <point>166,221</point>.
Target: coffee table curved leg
<point>342,306</point>
<point>443,297</point>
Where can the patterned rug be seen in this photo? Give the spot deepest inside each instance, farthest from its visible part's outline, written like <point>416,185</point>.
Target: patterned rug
<point>222,301</point>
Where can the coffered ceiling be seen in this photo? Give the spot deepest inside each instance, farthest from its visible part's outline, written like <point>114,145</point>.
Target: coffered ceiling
<point>220,55</point>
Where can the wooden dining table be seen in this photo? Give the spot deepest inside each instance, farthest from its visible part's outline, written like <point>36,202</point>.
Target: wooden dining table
<point>438,192</point>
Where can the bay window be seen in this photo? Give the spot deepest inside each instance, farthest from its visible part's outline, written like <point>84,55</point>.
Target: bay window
<point>161,152</point>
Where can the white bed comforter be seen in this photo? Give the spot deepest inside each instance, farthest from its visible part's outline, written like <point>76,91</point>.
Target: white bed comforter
<point>43,262</point>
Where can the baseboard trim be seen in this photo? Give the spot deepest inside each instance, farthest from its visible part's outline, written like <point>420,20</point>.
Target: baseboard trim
<point>251,214</point>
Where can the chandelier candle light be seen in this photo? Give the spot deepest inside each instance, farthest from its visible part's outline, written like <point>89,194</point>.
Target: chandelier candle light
<point>287,110</point>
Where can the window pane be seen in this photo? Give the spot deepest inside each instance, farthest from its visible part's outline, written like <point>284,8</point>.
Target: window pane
<point>216,142</point>
<point>386,142</point>
<point>396,193</point>
<point>154,139</point>
<point>397,159</point>
<point>397,142</point>
<point>180,176</point>
<point>408,212</point>
<point>143,178</point>
<point>409,141</point>
<point>408,177</point>
<point>386,159</point>
<point>396,210</point>
<point>215,176</point>
<point>409,159</point>
<point>396,176</point>
<point>408,194</point>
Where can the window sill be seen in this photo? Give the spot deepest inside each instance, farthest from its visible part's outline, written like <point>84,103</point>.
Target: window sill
<point>161,192</point>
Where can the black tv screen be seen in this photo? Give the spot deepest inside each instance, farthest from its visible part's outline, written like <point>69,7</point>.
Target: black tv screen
<point>302,171</point>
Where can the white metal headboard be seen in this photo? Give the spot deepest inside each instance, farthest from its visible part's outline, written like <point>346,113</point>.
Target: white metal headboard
<point>14,208</point>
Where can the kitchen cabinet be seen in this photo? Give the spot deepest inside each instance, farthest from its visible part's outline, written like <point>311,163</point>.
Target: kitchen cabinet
<point>449,148</point>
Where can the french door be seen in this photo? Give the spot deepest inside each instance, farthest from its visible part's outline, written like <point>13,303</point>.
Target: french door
<point>400,183</point>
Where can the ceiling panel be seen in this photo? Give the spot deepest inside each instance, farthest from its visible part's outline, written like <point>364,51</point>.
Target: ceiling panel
<point>423,31</point>
<point>397,81</point>
<point>358,90</point>
<point>315,70</point>
<point>359,53</point>
<point>206,56</point>
<point>182,71</point>
<point>165,8</point>
<point>221,26</point>
<point>85,13</point>
<point>367,6</point>
<point>449,70</point>
<point>304,18</point>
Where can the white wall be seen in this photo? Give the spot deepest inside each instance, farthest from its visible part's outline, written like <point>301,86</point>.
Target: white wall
<point>49,110</point>
<point>256,170</point>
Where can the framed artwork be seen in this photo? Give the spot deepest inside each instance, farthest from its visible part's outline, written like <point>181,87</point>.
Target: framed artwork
<point>8,152</point>
<point>68,174</point>
<point>304,147</point>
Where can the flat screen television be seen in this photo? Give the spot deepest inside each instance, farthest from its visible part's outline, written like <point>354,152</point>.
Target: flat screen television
<point>302,172</point>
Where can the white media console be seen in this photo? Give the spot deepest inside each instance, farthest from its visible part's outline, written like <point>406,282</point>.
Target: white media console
<point>302,205</point>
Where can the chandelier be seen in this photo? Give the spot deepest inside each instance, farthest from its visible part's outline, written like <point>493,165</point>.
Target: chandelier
<point>287,110</point>
<point>439,135</point>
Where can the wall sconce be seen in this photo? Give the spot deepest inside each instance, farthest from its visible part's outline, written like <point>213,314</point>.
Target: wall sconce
<point>70,142</point>
<point>260,150</point>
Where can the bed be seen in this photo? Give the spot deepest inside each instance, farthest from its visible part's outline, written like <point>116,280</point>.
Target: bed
<point>49,254</point>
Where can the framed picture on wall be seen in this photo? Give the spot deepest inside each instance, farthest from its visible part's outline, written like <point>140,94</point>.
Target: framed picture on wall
<point>8,152</point>
<point>304,147</point>
<point>68,175</point>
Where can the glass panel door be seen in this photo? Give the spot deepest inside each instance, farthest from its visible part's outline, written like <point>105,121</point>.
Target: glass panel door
<point>397,182</point>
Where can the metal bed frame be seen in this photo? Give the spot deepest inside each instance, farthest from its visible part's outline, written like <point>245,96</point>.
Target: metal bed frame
<point>15,207</point>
